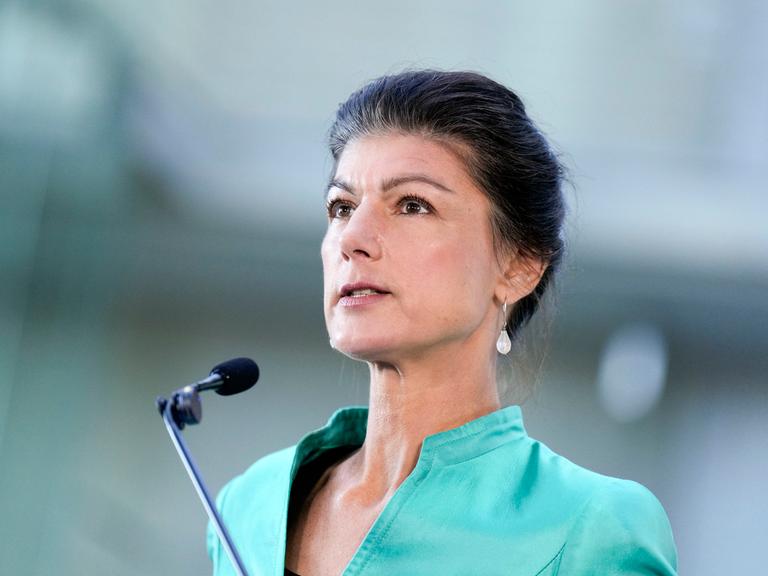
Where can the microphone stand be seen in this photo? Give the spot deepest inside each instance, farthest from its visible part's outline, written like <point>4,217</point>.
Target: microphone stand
<point>184,408</point>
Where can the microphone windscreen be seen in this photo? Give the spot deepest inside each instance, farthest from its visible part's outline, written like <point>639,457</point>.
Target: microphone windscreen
<point>237,375</point>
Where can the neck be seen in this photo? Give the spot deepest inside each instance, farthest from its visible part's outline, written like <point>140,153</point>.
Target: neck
<point>411,401</point>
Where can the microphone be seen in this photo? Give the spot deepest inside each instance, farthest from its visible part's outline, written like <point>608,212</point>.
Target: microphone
<point>227,378</point>
<point>230,377</point>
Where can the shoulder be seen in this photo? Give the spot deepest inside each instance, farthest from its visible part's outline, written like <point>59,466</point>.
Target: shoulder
<point>271,474</point>
<point>617,526</point>
<point>547,475</point>
<point>267,472</point>
<point>252,506</point>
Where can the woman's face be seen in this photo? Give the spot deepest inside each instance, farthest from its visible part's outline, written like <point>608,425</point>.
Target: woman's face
<point>408,257</point>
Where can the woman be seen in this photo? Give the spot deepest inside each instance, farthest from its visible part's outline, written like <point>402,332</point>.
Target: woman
<point>444,231</point>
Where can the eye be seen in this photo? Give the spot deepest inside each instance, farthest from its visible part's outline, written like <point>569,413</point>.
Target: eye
<point>338,208</point>
<point>415,205</point>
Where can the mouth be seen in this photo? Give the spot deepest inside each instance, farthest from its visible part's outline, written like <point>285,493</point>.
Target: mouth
<point>360,292</point>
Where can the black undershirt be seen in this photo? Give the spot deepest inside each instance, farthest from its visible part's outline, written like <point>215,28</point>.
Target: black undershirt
<point>306,479</point>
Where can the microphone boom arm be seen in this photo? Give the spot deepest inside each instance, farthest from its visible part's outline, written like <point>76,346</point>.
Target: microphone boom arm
<point>166,410</point>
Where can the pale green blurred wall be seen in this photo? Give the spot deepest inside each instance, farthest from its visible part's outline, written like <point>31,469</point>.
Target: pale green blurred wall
<point>161,181</point>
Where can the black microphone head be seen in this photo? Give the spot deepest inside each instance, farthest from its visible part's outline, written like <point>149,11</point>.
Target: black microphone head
<point>237,375</point>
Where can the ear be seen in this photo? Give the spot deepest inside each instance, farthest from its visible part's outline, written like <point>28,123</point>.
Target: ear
<point>520,276</point>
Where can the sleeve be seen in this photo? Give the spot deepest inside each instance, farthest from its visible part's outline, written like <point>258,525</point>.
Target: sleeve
<point>215,550</point>
<point>622,531</point>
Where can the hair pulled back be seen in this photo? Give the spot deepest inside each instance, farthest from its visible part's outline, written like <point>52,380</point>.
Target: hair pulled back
<point>506,155</point>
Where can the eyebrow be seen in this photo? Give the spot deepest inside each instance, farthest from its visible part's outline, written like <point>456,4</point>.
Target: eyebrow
<point>390,183</point>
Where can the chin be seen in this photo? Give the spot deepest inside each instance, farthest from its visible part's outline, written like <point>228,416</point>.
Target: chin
<point>362,353</point>
<point>368,349</point>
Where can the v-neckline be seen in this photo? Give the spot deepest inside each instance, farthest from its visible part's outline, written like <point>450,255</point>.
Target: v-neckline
<point>347,427</point>
<point>381,523</point>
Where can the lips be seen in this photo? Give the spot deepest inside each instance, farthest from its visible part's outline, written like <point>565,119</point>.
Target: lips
<point>360,292</point>
<point>361,288</point>
<point>363,292</point>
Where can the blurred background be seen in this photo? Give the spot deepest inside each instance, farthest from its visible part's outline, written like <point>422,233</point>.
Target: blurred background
<point>162,171</point>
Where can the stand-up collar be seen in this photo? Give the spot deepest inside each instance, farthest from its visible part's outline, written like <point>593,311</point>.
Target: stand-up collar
<point>347,427</point>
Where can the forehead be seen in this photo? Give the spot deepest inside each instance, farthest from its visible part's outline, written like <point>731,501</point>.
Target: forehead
<point>368,160</point>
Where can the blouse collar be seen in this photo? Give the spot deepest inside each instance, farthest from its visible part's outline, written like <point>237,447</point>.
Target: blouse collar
<point>347,427</point>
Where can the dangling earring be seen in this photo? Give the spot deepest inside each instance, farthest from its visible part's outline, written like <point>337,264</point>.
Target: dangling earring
<point>504,344</point>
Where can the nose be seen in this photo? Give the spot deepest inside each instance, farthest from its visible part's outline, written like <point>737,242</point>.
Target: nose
<point>361,234</point>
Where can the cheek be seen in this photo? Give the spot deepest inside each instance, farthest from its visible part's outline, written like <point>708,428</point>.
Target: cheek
<point>450,274</point>
<point>328,267</point>
<point>472,264</point>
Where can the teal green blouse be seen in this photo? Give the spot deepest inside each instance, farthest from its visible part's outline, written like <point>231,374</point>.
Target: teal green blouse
<point>484,498</point>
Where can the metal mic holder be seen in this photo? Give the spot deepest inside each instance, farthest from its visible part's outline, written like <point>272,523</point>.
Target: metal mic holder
<point>184,408</point>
